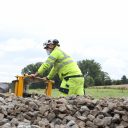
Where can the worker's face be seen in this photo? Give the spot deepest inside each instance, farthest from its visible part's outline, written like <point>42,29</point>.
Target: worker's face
<point>49,49</point>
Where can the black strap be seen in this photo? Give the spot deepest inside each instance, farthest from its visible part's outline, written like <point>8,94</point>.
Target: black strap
<point>64,90</point>
<point>26,94</point>
<point>67,77</point>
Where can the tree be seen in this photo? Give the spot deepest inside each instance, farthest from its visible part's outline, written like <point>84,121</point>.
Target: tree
<point>89,81</point>
<point>89,68</point>
<point>93,70</point>
<point>116,82</point>
<point>124,79</point>
<point>31,68</point>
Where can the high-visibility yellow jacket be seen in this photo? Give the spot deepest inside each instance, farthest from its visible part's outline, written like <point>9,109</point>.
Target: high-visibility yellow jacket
<point>61,63</point>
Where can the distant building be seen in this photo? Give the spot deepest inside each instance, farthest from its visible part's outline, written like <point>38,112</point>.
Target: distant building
<point>4,87</point>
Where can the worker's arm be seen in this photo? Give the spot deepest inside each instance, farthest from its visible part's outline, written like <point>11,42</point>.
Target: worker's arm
<point>49,63</point>
<point>41,69</point>
<point>52,73</point>
<point>44,67</point>
<point>34,75</point>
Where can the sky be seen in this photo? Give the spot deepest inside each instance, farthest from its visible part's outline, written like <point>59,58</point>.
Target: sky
<point>86,29</point>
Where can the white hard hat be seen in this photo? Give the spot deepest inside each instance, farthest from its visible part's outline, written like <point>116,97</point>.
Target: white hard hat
<point>55,42</point>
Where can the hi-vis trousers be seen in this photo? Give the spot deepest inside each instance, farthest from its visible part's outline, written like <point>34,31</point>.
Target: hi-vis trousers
<point>72,86</point>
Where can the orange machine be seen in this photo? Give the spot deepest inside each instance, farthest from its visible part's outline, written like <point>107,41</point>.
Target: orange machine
<point>19,85</point>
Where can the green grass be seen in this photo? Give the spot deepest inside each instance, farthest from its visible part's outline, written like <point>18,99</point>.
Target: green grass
<point>94,92</point>
<point>102,93</point>
<point>41,91</point>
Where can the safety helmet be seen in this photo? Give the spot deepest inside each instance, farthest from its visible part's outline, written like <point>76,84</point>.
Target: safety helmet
<point>54,42</point>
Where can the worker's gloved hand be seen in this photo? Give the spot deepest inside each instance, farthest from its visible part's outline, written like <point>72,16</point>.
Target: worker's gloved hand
<point>45,79</point>
<point>32,76</point>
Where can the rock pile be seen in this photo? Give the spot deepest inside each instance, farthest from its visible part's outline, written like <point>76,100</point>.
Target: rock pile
<point>69,112</point>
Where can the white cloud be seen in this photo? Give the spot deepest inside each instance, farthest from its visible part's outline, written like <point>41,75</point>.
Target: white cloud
<point>14,45</point>
<point>116,67</point>
<point>37,59</point>
<point>8,72</point>
<point>1,54</point>
<point>86,29</point>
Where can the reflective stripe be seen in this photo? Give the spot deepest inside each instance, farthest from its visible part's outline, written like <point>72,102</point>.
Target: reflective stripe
<point>65,57</point>
<point>74,76</point>
<point>64,90</point>
<point>60,60</point>
<point>64,63</point>
<point>49,62</point>
<point>52,58</point>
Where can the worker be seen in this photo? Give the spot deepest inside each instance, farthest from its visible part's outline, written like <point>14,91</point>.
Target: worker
<point>68,70</point>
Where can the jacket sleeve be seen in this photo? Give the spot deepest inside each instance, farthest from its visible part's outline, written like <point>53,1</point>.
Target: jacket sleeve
<point>49,63</point>
<point>52,73</point>
<point>43,68</point>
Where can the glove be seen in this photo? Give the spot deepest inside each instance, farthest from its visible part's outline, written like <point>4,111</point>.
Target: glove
<point>32,76</point>
<point>45,79</point>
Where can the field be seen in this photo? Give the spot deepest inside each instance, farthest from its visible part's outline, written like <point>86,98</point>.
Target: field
<point>96,92</point>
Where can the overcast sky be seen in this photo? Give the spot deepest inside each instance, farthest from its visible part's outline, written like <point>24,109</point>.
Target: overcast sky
<point>86,29</point>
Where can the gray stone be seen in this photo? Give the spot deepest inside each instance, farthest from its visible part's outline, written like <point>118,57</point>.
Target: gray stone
<point>72,124</point>
<point>3,121</point>
<point>74,111</point>
<point>51,116</point>
<point>1,116</point>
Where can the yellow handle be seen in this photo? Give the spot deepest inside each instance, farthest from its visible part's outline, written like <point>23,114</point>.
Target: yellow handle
<point>19,85</point>
<point>48,89</point>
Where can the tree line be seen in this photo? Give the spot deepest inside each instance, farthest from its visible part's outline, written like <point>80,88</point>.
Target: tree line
<point>91,70</point>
